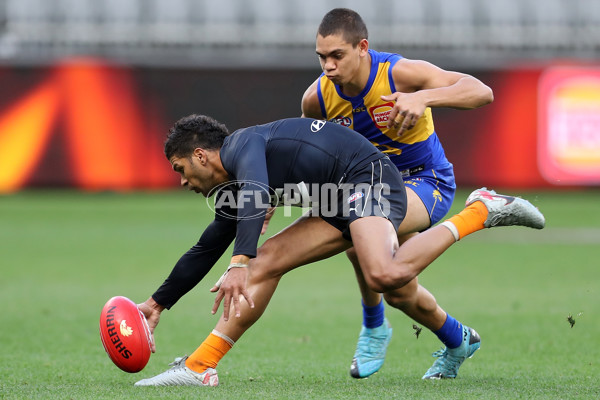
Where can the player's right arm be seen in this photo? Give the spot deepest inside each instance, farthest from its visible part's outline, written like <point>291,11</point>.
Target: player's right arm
<point>311,108</point>
<point>421,84</point>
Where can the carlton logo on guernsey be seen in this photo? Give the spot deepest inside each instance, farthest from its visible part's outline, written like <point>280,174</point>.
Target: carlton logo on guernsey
<point>368,114</point>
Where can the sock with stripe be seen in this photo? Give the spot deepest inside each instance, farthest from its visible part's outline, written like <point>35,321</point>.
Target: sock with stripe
<point>469,220</point>
<point>210,352</point>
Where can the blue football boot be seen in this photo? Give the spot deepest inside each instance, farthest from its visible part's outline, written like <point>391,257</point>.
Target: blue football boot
<point>450,360</point>
<point>370,350</point>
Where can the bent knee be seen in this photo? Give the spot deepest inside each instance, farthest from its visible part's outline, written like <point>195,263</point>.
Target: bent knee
<point>383,281</point>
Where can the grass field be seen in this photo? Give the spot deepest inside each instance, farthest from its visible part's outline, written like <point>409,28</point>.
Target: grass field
<point>63,254</point>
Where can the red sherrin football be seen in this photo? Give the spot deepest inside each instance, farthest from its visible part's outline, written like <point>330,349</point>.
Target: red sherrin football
<point>125,334</point>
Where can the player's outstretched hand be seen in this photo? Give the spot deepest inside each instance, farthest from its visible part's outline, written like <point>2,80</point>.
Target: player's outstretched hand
<point>151,310</point>
<point>230,288</point>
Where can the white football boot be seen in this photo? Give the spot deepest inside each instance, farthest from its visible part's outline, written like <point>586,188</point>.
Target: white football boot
<point>507,210</point>
<point>180,375</point>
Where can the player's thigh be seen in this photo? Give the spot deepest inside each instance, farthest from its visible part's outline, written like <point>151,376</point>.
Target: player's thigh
<point>375,242</point>
<point>307,240</point>
<point>417,216</point>
<point>433,189</point>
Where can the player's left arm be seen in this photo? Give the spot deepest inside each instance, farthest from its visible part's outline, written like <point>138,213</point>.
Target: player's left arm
<point>421,84</point>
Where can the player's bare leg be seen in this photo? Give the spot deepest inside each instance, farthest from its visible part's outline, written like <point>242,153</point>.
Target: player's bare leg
<point>416,220</point>
<point>369,297</point>
<point>376,331</point>
<point>412,299</point>
<point>371,238</point>
<point>307,240</point>
<point>385,265</point>
<point>374,237</point>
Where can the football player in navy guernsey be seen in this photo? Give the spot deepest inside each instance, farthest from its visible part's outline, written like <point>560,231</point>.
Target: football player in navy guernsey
<point>364,205</point>
<point>388,99</point>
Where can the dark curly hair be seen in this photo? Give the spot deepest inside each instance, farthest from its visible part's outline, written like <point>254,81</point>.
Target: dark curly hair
<point>346,22</point>
<point>192,132</point>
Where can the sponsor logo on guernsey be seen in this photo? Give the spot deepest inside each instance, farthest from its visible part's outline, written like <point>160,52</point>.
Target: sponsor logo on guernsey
<point>342,120</point>
<point>316,125</point>
<point>355,196</point>
<point>381,113</point>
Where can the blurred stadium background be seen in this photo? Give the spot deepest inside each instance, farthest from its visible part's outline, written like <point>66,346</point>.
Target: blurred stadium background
<point>89,88</point>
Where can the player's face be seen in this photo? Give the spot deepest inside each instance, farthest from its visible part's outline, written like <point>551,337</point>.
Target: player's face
<point>194,175</point>
<point>339,60</point>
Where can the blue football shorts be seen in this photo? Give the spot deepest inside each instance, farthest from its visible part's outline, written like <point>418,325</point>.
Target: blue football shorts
<point>435,187</point>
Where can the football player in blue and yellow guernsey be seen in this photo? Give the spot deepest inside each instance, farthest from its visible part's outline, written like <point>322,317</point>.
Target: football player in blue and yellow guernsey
<point>388,99</point>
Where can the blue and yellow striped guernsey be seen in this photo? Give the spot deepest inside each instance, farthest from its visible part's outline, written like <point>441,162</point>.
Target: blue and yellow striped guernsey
<point>368,114</point>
